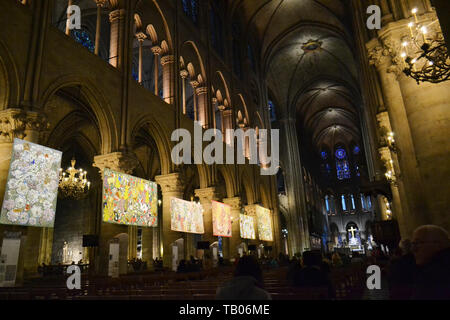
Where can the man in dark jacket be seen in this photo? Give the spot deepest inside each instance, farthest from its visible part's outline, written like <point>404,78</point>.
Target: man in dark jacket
<point>431,246</point>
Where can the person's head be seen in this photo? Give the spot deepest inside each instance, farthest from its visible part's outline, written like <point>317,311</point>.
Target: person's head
<point>427,241</point>
<point>406,246</point>
<point>248,266</point>
<point>312,258</point>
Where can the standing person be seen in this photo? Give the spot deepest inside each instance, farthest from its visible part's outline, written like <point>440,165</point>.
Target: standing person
<point>431,248</point>
<point>402,271</point>
<point>246,284</point>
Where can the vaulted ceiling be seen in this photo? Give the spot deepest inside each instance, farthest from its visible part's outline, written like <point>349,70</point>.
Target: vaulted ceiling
<point>307,58</point>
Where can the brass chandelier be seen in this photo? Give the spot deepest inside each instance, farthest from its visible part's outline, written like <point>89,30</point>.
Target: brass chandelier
<point>73,183</point>
<point>425,54</point>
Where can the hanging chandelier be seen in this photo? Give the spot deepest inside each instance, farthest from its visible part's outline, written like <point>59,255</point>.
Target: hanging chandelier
<point>73,183</point>
<point>424,52</point>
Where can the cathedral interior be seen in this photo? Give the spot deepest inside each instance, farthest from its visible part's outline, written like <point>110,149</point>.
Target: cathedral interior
<point>363,144</point>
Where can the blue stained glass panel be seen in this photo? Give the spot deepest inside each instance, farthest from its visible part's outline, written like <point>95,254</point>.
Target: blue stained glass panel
<point>83,38</point>
<point>341,154</point>
<point>324,155</point>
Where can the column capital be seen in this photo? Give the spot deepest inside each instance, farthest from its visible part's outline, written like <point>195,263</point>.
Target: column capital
<point>250,209</point>
<point>14,123</point>
<point>170,182</point>
<point>206,194</point>
<point>194,83</point>
<point>234,202</point>
<point>156,50</point>
<point>117,161</point>
<point>201,90</point>
<point>184,73</point>
<point>116,15</point>
<point>140,36</point>
<point>167,59</point>
<point>101,3</point>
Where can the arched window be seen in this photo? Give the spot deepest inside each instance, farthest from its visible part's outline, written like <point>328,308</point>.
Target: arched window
<point>344,205</point>
<point>190,8</point>
<point>327,204</point>
<point>273,116</point>
<point>216,32</point>
<point>353,201</point>
<point>342,166</point>
<point>363,202</point>
<point>83,37</point>
<point>236,34</point>
<point>369,203</point>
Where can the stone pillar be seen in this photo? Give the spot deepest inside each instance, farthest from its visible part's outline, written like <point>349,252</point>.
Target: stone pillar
<point>125,163</point>
<point>297,221</point>
<point>206,195</point>
<point>69,3</point>
<point>168,78</point>
<point>156,52</point>
<point>202,106</point>
<point>37,242</point>
<point>116,18</point>
<point>227,116</point>
<point>171,187</point>
<point>100,5</point>
<point>183,74</point>
<point>410,185</point>
<point>235,239</point>
<point>140,38</point>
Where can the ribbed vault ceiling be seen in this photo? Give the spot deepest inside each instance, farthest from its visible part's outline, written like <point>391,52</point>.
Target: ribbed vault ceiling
<point>319,86</point>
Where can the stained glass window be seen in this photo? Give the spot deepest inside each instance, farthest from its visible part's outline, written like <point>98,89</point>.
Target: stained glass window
<point>83,38</point>
<point>190,8</point>
<point>369,203</point>
<point>342,165</point>
<point>324,155</point>
<point>363,202</point>
<point>327,204</point>
<point>356,150</point>
<point>344,205</point>
<point>353,201</point>
<point>273,116</point>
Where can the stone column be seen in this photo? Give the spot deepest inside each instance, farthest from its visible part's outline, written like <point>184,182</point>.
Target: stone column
<point>297,221</point>
<point>409,182</point>
<point>206,195</point>
<point>235,239</point>
<point>202,106</point>
<point>37,242</point>
<point>156,52</point>
<point>100,5</point>
<point>194,85</point>
<point>140,38</point>
<point>168,78</point>
<point>183,74</point>
<point>227,116</point>
<point>171,187</point>
<point>125,163</point>
<point>116,19</point>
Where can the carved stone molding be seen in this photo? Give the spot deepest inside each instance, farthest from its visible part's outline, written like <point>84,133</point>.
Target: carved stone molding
<point>140,36</point>
<point>250,209</point>
<point>206,194</point>
<point>168,59</point>
<point>117,161</point>
<point>234,202</point>
<point>115,15</point>
<point>170,183</point>
<point>15,122</point>
<point>156,50</point>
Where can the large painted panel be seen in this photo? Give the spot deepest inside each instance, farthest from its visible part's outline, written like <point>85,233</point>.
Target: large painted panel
<point>247,225</point>
<point>264,224</point>
<point>32,185</point>
<point>129,200</point>
<point>221,216</point>
<point>186,216</point>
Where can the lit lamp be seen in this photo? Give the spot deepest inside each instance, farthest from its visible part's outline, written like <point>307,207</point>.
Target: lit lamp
<point>73,182</point>
<point>425,57</point>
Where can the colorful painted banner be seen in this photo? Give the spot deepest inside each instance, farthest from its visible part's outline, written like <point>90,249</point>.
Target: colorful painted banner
<point>186,216</point>
<point>264,224</point>
<point>247,227</point>
<point>221,216</point>
<point>32,185</point>
<point>129,200</point>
